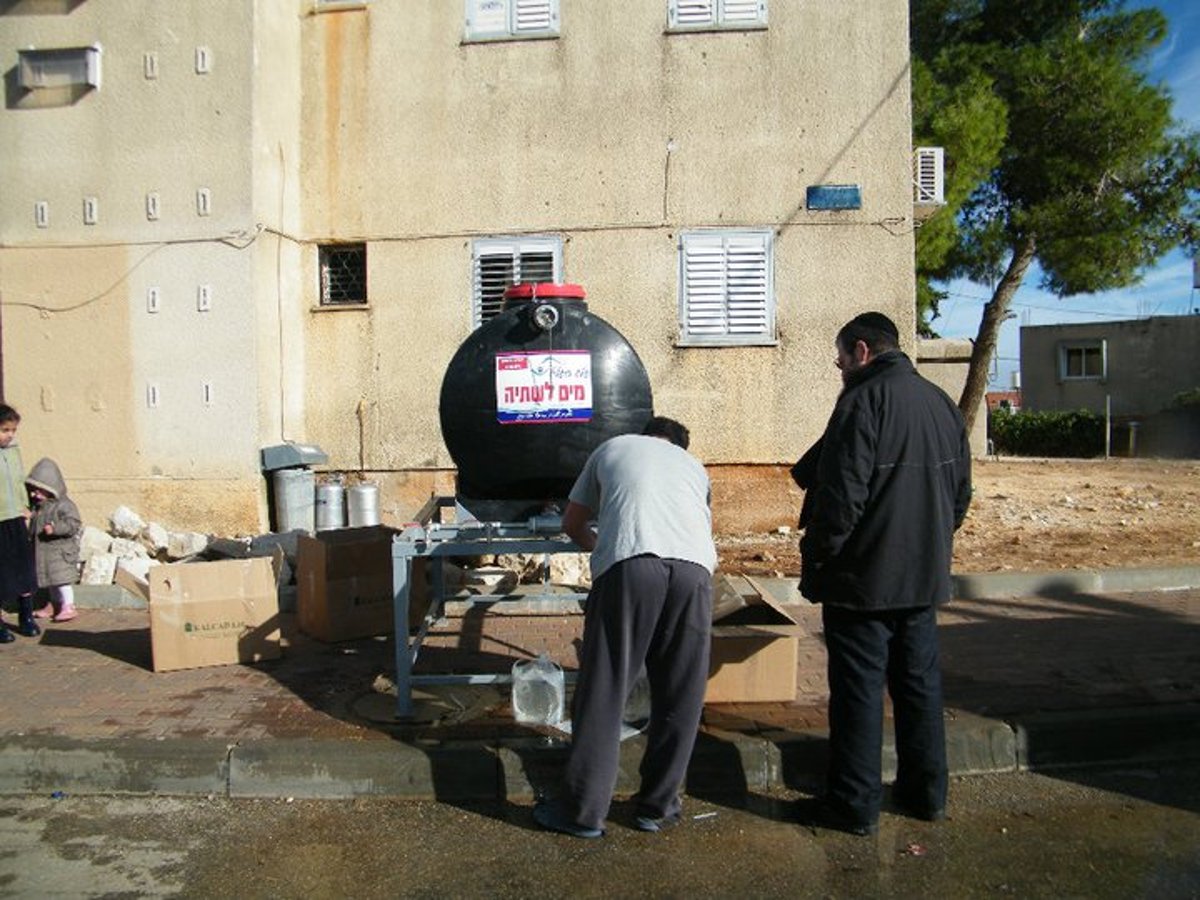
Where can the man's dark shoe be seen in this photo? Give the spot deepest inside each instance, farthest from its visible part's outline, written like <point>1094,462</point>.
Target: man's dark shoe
<point>817,813</point>
<point>552,818</point>
<point>656,823</point>
<point>917,810</point>
<point>923,813</point>
<point>6,636</point>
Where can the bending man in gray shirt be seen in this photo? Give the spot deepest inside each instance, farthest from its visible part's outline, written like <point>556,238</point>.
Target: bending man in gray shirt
<point>651,605</point>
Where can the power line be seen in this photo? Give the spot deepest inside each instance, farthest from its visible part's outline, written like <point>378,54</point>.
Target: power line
<point>1054,309</point>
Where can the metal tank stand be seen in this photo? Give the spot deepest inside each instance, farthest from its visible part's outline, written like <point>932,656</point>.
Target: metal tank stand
<point>437,541</point>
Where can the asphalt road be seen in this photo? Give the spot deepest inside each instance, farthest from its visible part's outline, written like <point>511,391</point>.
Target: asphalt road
<point>1125,833</point>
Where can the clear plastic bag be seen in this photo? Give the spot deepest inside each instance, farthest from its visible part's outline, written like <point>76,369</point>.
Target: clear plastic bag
<point>538,691</point>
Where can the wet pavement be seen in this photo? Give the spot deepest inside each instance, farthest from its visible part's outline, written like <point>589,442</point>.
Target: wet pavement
<point>1125,834</point>
<point>1037,680</point>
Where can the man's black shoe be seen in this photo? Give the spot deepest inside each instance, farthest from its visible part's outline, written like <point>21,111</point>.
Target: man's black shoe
<point>923,813</point>
<point>818,814</point>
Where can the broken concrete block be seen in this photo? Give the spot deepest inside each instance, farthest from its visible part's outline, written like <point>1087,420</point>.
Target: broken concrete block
<point>185,543</point>
<point>528,566</point>
<point>126,523</point>
<point>490,580</point>
<point>154,537</point>
<point>93,541</point>
<point>99,569</point>
<point>123,548</point>
<point>138,566</point>
<point>572,569</point>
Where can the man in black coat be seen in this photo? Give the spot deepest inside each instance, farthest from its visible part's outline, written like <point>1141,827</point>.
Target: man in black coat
<point>892,483</point>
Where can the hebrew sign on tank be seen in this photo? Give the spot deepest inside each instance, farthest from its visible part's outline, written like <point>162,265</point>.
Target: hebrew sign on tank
<point>533,388</point>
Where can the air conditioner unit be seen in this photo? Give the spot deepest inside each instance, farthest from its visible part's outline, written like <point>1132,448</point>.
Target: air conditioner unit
<point>928,179</point>
<point>65,67</point>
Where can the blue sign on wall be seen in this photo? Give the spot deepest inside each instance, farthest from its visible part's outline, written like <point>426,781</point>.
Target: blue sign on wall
<point>834,196</point>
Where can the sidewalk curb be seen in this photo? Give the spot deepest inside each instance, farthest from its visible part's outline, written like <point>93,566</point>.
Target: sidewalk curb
<point>996,585</point>
<point>723,764</point>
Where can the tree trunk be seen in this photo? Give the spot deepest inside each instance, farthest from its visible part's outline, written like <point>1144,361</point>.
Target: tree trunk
<point>995,311</point>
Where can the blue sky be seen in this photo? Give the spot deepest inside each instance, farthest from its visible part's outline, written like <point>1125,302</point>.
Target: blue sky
<point>1165,290</point>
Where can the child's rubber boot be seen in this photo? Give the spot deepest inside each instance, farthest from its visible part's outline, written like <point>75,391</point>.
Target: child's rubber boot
<point>67,613</point>
<point>25,624</point>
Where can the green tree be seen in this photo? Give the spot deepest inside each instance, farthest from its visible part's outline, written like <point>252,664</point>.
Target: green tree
<point>1094,181</point>
<point>955,106</point>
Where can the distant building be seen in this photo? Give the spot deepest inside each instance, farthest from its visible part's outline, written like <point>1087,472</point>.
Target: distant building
<point>1132,370</point>
<point>1008,400</point>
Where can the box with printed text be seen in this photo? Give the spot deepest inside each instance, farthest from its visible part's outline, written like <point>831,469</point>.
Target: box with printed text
<point>214,613</point>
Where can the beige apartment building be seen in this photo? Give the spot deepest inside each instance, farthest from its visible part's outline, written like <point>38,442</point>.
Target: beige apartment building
<point>233,224</point>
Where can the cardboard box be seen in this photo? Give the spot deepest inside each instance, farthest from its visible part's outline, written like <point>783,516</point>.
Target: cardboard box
<point>344,584</point>
<point>755,645</point>
<point>214,613</point>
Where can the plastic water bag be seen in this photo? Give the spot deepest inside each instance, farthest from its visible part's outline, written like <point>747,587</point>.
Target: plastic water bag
<point>538,691</point>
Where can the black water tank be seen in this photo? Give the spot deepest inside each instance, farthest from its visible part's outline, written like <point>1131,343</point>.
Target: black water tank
<point>532,392</point>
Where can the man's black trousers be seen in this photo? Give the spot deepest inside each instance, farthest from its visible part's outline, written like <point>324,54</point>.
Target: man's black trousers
<point>868,650</point>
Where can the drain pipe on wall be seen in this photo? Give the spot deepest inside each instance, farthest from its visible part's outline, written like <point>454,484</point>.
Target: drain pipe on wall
<point>1107,426</point>
<point>360,413</point>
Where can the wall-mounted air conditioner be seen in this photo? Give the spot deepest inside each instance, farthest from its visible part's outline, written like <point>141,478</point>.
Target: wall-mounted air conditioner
<point>928,178</point>
<point>61,67</point>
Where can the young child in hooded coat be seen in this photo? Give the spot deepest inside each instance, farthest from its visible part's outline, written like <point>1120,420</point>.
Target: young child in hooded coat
<point>55,526</point>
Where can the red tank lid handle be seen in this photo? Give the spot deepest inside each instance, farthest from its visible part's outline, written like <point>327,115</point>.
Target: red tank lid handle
<point>544,290</point>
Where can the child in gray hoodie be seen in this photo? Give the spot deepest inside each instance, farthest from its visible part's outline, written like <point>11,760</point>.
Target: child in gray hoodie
<point>55,527</point>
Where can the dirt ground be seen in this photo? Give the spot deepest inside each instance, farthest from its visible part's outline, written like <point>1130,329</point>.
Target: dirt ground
<point>1038,515</point>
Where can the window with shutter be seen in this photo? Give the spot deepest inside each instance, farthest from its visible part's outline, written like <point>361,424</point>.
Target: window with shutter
<point>683,15</point>
<point>726,287</point>
<point>491,20</point>
<point>501,262</point>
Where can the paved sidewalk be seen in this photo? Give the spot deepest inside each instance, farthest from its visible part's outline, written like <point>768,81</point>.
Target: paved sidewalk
<point>1040,671</point>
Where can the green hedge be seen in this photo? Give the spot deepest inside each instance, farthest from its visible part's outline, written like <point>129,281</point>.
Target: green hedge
<point>1078,434</point>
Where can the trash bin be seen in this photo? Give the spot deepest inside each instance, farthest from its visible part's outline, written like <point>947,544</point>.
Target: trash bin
<point>291,485</point>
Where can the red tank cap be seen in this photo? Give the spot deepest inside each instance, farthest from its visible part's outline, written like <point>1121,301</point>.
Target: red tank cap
<point>544,290</point>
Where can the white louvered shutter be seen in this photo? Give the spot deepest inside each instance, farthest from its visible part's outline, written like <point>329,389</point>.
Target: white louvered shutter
<point>747,285</point>
<point>692,13</point>
<point>534,15</point>
<point>501,263</point>
<point>743,12</point>
<point>726,286</point>
<point>709,13</point>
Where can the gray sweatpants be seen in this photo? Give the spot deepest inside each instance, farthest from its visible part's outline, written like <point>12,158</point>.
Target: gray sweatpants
<point>642,610</point>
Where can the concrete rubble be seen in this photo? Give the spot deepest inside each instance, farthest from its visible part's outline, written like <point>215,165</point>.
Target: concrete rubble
<point>133,545</point>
